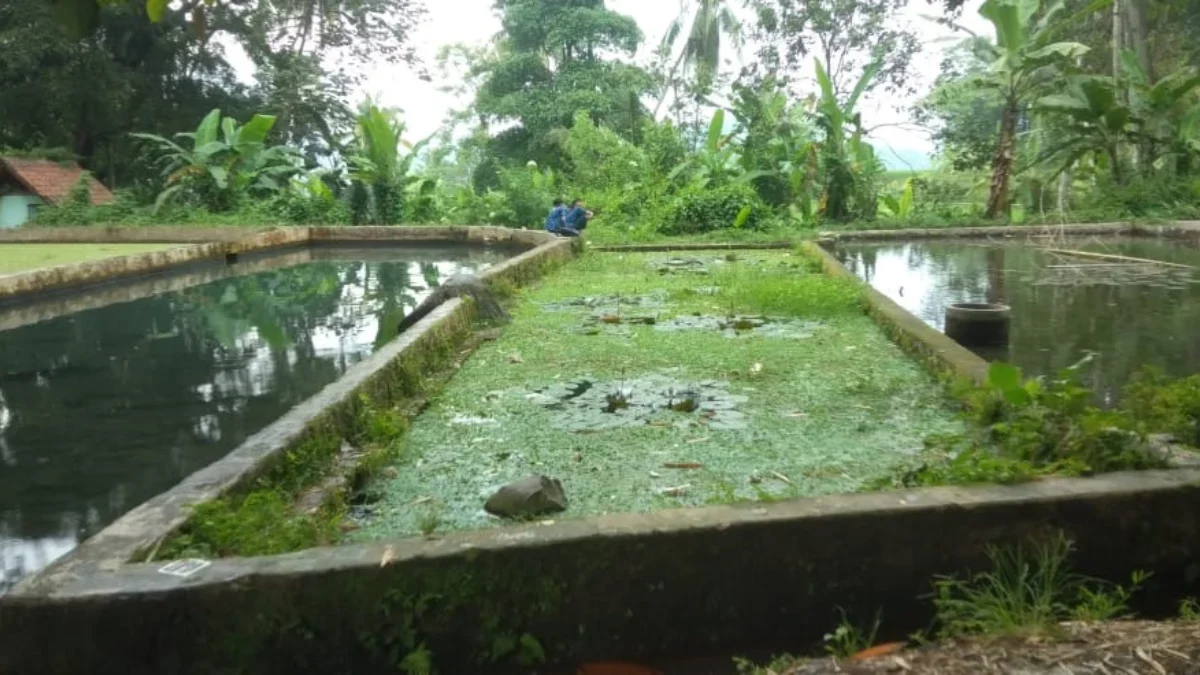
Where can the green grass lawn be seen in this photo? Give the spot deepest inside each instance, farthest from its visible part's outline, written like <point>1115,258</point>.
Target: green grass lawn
<point>825,409</point>
<point>24,257</point>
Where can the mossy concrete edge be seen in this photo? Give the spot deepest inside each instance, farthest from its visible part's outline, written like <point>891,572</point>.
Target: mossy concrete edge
<point>1180,229</point>
<point>81,275</point>
<point>943,356</point>
<point>719,579</point>
<point>129,234</point>
<point>44,307</point>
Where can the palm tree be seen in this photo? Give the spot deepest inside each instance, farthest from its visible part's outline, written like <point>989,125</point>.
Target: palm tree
<point>712,21</point>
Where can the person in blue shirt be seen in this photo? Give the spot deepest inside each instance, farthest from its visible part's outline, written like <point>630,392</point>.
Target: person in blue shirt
<point>557,219</point>
<point>576,219</point>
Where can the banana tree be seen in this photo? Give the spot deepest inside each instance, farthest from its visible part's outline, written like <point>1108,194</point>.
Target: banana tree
<point>222,160</point>
<point>718,161</point>
<point>1168,110</point>
<point>1026,57</point>
<point>845,160</point>
<point>380,163</point>
<point>1091,119</point>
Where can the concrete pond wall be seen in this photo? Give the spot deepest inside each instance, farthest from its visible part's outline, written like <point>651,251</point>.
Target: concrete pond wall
<point>682,582</point>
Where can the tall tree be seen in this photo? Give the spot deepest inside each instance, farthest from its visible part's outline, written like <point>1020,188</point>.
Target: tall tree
<point>87,94</point>
<point>712,24</point>
<point>557,57</point>
<point>847,36</point>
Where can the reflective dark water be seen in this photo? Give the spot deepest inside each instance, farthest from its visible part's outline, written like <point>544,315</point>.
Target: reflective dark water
<point>1129,315</point>
<point>102,409</point>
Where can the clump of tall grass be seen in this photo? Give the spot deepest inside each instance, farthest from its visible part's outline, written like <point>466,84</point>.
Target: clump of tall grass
<point>1029,590</point>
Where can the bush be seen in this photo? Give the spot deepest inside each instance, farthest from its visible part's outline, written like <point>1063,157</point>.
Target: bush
<point>698,209</point>
<point>1159,404</point>
<point>1152,197</point>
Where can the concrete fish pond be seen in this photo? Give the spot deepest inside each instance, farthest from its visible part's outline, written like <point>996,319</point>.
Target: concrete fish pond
<point>654,414</point>
<point>477,498</point>
<point>104,408</point>
<point>1136,304</point>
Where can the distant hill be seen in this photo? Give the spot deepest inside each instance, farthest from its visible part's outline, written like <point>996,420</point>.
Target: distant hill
<point>903,159</point>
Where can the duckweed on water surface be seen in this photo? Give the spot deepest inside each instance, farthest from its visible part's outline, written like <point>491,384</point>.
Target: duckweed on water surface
<point>705,418</point>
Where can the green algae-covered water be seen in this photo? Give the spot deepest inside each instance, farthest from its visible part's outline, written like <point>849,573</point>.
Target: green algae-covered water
<point>102,409</point>
<point>679,411</point>
<point>1063,307</point>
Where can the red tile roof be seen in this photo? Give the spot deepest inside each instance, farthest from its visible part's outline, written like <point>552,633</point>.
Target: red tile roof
<point>50,180</point>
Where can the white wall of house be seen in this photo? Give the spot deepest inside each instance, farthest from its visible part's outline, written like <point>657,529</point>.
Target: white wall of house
<point>16,208</point>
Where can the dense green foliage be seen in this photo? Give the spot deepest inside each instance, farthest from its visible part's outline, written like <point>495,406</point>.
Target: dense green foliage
<point>1045,120</point>
<point>1025,429</point>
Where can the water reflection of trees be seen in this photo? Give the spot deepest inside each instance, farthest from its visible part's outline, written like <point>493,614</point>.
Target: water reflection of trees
<point>103,409</point>
<point>1128,324</point>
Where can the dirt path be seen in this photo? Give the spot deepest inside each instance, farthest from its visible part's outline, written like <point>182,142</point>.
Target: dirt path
<point>1116,648</point>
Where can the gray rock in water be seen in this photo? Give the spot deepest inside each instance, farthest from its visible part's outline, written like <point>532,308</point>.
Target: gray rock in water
<point>530,496</point>
<point>487,307</point>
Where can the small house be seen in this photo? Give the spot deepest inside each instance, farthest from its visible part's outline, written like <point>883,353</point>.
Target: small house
<point>28,184</point>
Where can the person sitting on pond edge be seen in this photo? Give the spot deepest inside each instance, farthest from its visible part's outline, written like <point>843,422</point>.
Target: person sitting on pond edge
<point>576,219</point>
<point>557,219</point>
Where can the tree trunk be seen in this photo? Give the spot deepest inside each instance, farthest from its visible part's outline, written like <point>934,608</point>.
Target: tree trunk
<point>1139,35</point>
<point>669,85</point>
<point>998,202</point>
<point>1139,40</point>
<point>1118,41</point>
<point>1114,156</point>
<point>1064,190</point>
<point>1118,44</point>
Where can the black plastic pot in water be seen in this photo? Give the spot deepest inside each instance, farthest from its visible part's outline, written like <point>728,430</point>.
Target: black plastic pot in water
<point>973,324</point>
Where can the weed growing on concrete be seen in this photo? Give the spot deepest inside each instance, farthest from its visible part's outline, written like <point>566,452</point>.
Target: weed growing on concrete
<point>260,524</point>
<point>848,638</point>
<point>1025,429</point>
<point>429,520</point>
<point>1159,404</point>
<point>417,662</point>
<point>1029,590</point>
<point>1189,609</point>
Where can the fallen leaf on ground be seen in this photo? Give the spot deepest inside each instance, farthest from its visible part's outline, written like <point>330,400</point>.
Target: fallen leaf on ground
<point>616,668</point>
<point>674,491</point>
<point>782,477</point>
<point>683,465</point>
<point>697,440</point>
<point>878,650</point>
<point>797,414</point>
<point>422,500</point>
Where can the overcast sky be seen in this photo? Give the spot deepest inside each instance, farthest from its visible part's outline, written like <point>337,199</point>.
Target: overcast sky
<point>474,22</point>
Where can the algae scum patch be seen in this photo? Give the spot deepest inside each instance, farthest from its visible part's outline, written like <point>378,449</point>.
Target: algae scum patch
<point>585,405</point>
<point>772,384</point>
<point>743,326</point>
